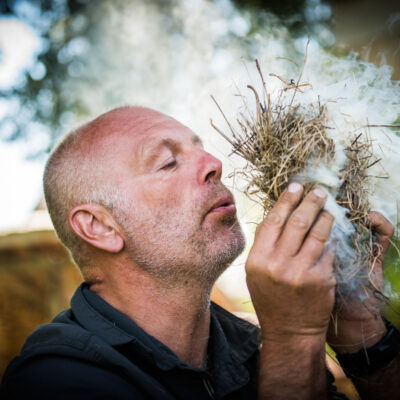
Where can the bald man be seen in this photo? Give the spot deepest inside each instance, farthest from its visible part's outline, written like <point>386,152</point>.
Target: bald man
<point>141,207</point>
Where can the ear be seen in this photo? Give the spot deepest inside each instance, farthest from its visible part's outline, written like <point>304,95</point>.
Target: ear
<point>96,226</point>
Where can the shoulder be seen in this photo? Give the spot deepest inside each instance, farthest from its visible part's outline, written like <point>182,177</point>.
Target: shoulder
<point>62,336</point>
<point>60,377</point>
<point>62,360</point>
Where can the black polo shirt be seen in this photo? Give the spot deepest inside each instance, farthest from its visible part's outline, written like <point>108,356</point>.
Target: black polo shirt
<point>92,351</point>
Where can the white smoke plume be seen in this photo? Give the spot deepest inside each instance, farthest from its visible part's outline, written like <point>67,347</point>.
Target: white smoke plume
<point>173,58</point>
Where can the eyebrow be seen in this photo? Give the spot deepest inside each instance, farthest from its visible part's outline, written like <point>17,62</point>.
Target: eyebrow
<point>196,140</point>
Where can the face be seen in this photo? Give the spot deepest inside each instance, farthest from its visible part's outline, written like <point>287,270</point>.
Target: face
<point>178,219</point>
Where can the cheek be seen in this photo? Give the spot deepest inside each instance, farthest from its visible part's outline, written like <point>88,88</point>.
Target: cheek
<point>163,196</point>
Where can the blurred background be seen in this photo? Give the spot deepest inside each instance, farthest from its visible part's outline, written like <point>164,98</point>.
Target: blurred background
<point>63,62</point>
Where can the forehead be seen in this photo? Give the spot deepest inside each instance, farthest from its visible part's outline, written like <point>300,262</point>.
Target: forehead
<point>146,134</point>
<point>167,128</point>
<point>134,139</point>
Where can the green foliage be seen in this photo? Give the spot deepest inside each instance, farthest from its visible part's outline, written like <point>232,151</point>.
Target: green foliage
<point>392,278</point>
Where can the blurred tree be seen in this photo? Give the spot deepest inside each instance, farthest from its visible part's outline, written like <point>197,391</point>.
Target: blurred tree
<point>68,32</point>
<point>40,98</point>
<point>291,12</point>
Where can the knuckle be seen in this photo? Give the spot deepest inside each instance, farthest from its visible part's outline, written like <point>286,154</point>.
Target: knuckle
<point>326,282</point>
<point>288,196</point>
<point>373,215</point>
<point>273,218</point>
<point>312,197</point>
<point>319,235</point>
<point>299,221</point>
<point>277,260</point>
<point>284,277</point>
<point>257,262</point>
<point>297,281</point>
<point>274,277</point>
<point>289,199</point>
<point>321,281</point>
<point>327,215</point>
<point>376,219</point>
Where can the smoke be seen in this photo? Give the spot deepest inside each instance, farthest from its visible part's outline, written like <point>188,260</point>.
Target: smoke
<point>357,94</point>
<point>173,57</point>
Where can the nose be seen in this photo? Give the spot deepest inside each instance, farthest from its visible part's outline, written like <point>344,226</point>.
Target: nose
<point>210,168</point>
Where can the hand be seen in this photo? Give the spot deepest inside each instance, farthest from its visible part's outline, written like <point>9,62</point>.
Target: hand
<point>357,324</point>
<point>289,275</point>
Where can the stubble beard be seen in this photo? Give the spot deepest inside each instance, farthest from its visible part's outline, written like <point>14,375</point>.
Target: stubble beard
<point>178,250</point>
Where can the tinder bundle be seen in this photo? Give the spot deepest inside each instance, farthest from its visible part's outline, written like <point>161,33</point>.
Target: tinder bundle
<point>288,140</point>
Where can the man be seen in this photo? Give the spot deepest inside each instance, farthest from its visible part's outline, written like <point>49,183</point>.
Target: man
<point>142,209</point>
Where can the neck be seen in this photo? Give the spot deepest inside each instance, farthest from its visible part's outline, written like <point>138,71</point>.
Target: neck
<point>177,316</point>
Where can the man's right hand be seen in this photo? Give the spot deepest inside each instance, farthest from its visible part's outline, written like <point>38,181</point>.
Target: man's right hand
<point>291,282</point>
<point>289,275</point>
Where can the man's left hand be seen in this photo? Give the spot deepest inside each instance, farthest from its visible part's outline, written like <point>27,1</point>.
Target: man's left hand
<point>357,324</point>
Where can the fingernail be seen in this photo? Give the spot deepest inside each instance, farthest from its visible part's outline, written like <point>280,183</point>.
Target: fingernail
<point>319,193</point>
<point>294,187</point>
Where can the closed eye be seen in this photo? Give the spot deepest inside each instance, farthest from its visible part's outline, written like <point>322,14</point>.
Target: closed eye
<point>170,164</point>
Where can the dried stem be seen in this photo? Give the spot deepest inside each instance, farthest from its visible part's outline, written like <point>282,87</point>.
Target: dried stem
<point>282,141</point>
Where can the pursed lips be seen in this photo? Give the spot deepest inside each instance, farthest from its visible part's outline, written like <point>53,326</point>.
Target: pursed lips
<point>224,205</point>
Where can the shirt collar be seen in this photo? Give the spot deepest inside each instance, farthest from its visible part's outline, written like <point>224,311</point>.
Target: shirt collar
<point>115,328</point>
<point>97,316</point>
<point>233,340</point>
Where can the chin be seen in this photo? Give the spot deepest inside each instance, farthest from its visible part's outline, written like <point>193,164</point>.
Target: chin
<point>230,247</point>
<point>220,260</point>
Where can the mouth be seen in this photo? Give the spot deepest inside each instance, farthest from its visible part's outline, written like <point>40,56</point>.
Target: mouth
<point>224,205</point>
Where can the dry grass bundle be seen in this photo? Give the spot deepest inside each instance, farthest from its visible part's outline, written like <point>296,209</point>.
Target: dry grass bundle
<point>353,195</point>
<point>284,141</point>
<point>278,144</point>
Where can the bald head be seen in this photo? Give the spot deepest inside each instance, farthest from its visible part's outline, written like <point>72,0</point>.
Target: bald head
<point>78,169</point>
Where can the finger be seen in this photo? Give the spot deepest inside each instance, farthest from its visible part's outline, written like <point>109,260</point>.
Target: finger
<point>270,229</point>
<point>383,228</point>
<point>316,239</point>
<point>300,222</point>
